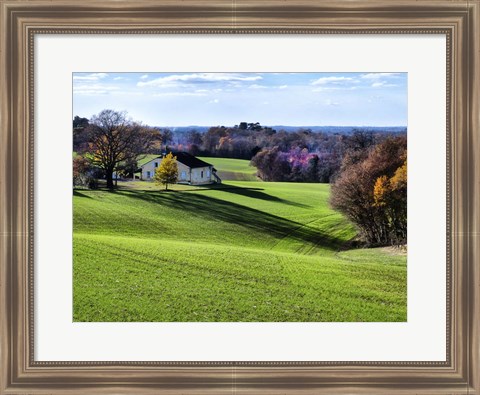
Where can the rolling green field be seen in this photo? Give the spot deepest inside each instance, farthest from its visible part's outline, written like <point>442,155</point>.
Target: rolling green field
<point>239,251</point>
<point>233,169</point>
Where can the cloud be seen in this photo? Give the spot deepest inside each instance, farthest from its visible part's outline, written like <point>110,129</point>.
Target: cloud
<point>382,84</point>
<point>334,88</point>
<point>283,87</point>
<point>160,94</point>
<point>374,98</point>
<point>376,76</point>
<point>330,102</point>
<point>176,79</point>
<point>90,77</point>
<point>215,101</point>
<point>331,80</point>
<point>144,77</point>
<point>93,89</point>
<point>256,86</point>
<point>118,78</point>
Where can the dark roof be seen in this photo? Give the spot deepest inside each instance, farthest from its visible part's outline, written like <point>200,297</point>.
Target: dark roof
<point>190,160</point>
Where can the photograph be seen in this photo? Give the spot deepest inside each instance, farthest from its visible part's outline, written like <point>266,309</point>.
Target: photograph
<point>239,196</point>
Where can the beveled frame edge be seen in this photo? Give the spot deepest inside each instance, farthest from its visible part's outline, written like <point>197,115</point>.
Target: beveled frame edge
<point>21,20</point>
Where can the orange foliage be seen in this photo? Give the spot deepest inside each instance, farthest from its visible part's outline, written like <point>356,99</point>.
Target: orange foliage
<point>380,191</point>
<point>399,179</point>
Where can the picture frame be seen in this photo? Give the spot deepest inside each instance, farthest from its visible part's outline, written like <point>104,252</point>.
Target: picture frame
<point>21,21</point>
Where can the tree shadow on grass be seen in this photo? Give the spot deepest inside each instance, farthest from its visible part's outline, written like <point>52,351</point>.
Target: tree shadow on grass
<point>256,193</point>
<point>207,207</point>
<point>77,193</point>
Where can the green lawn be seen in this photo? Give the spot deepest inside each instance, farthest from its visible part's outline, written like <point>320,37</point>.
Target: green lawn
<point>233,169</point>
<point>241,251</point>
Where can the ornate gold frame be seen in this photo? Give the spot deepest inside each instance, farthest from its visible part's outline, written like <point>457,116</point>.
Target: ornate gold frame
<point>21,20</point>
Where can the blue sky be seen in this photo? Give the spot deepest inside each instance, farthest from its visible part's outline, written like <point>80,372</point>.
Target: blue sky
<point>182,99</point>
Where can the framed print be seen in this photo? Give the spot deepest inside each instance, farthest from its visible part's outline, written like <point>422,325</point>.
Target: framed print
<point>212,198</point>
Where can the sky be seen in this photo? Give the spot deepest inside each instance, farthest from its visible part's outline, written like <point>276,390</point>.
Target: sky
<point>209,99</point>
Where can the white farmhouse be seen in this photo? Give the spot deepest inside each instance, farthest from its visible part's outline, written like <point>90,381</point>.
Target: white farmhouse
<point>191,170</point>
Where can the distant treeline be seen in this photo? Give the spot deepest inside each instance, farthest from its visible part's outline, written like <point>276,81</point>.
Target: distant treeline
<point>326,129</point>
<point>279,155</point>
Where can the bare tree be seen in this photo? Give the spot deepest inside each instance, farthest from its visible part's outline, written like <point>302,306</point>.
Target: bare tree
<point>115,139</point>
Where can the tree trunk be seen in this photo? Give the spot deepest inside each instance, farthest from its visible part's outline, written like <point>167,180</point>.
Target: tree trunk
<point>109,176</point>
<point>166,186</point>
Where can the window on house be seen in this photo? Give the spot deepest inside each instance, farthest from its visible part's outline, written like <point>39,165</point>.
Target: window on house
<point>156,164</point>
<point>148,174</point>
<point>201,174</point>
<point>184,175</point>
<point>208,173</point>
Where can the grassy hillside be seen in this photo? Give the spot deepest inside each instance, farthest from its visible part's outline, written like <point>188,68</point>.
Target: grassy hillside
<point>233,169</point>
<point>242,251</point>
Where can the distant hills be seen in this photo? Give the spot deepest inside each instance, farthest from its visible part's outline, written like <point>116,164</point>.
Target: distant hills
<point>325,129</point>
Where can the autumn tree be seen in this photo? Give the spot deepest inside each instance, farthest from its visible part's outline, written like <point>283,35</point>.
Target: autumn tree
<point>167,172</point>
<point>372,192</point>
<point>83,173</point>
<point>115,139</point>
<point>80,137</point>
<point>166,137</point>
<point>272,165</point>
<point>390,195</point>
<point>212,137</point>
